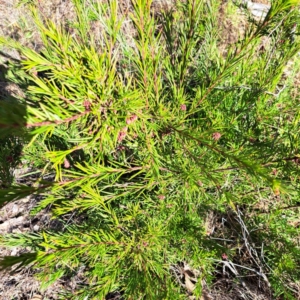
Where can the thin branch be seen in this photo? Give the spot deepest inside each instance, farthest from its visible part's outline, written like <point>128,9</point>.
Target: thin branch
<point>45,123</point>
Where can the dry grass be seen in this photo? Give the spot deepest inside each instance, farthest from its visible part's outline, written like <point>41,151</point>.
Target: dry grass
<point>230,29</point>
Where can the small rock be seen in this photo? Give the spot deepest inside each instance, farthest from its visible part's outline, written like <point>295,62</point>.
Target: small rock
<point>258,10</point>
<point>36,228</point>
<point>14,251</point>
<point>36,297</point>
<point>26,199</point>
<point>15,209</point>
<point>12,223</point>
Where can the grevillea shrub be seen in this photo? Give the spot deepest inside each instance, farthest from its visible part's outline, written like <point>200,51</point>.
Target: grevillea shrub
<point>138,133</point>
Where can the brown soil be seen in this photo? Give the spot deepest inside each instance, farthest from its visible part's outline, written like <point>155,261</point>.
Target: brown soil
<point>230,30</point>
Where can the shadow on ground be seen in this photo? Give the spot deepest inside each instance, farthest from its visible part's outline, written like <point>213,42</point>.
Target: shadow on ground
<point>12,127</point>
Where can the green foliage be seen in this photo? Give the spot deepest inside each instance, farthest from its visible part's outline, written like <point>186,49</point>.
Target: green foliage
<point>144,134</point>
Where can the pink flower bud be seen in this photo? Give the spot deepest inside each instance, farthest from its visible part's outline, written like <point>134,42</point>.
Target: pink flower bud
<point>87,104</point>
<point>122,134</point>
<point>131,119</point>
<point>224,256</point>
<point>216,136</point>
<point>66,164</point>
